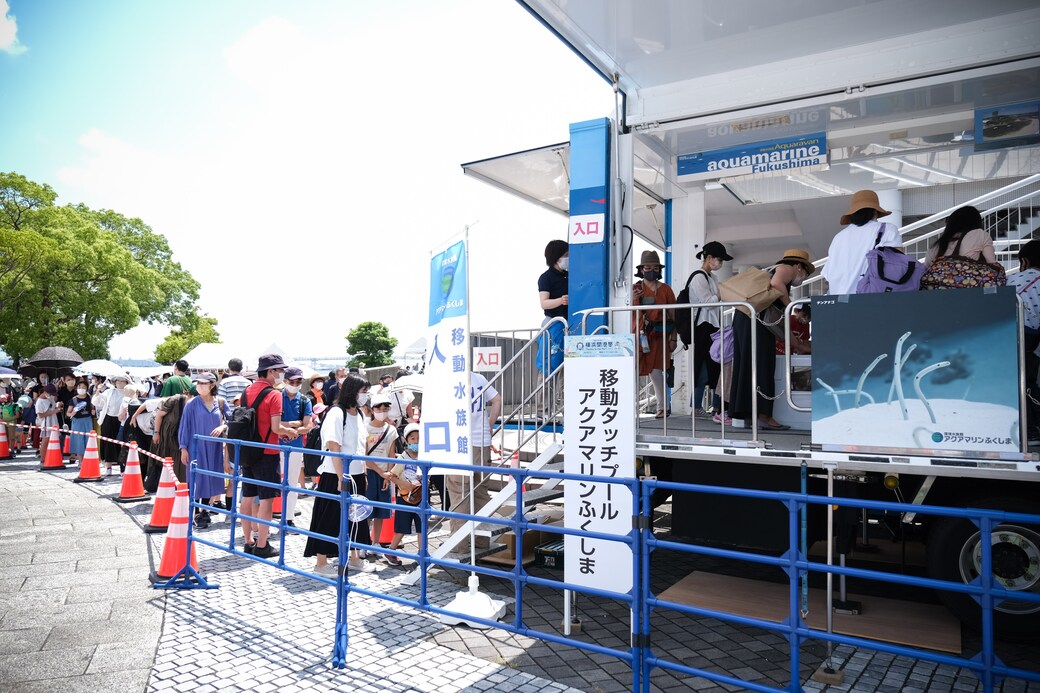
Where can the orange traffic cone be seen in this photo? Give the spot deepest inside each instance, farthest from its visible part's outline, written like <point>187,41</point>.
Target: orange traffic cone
<point>5,448</point>
<point>386,532</point>
<point>90,470</point>
<point>133,488</point>
<point>52,457</point>
<point>68,437</point>
<point>276,507</point>
<point>163,508</point>
<point>175,548</point>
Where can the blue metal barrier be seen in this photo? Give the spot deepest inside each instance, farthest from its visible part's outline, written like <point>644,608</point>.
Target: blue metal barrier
<point>640,598</point>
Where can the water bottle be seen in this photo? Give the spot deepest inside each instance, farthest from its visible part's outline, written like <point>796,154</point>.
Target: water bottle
<point>644,344</point>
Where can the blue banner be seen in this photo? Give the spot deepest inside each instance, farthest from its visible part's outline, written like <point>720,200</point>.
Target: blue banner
<point>448,283</point>
<point>759,157</point>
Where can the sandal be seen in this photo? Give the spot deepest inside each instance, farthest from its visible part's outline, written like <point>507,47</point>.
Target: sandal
<point>659,415</point>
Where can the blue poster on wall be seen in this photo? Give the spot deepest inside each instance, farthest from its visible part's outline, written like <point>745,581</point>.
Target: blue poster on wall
<point>448,283</point>
<point>933,371</point>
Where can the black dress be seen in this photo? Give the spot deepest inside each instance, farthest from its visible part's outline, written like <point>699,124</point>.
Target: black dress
<point>326,519</point>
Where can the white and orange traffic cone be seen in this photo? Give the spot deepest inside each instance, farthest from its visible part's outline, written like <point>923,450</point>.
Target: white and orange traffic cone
<point>133,487</point>
<point>175,548</point>
<point>5,448</point>
<point>52,457</point>
<point>68,438</point>
<point>162,511</point>
<point>90,470</point>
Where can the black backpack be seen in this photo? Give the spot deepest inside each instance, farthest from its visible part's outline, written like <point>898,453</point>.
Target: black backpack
<point>683,324</point>
<point>242,425</point>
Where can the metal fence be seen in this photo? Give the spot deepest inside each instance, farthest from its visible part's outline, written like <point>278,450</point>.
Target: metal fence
<point>640,656</point>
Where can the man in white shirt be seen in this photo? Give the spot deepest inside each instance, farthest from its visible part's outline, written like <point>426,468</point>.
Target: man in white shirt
<point>46,415</point>
<point>486,408</point>
<point>233,384</point>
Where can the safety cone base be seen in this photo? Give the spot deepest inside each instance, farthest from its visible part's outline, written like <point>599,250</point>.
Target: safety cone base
<point>154,529</point>
<point>92,479</point>
<point>132,499</point>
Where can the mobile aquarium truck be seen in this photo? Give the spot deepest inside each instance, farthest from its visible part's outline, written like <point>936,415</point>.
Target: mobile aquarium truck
<point>752,123</point>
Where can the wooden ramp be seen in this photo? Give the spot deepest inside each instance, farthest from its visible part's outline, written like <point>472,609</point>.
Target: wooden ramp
<point>927,626</point>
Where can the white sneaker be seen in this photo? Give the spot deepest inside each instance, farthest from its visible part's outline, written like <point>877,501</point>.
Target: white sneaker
<point>327,569</point>
<point>108,471</point>
<point>361,567</point>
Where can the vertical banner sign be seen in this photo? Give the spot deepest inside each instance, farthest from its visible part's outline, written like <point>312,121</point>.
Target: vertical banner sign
<point>445,420</point>
<point>600,392</point>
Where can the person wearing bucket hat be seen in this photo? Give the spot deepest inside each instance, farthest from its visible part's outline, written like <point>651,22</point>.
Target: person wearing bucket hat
<point>704,288</point>
<point>847,256</point>
<point>654,325</point>
<point>790,270</point>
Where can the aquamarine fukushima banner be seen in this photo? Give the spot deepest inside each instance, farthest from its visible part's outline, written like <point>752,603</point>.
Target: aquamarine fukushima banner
<point>758,157</point>
<point>448,274</point>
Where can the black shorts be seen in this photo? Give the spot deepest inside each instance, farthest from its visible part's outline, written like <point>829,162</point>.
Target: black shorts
<point>267,468</point>
<point>406,522</point>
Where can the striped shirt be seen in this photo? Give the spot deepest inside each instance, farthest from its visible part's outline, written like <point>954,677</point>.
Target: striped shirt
<point>232,386</point>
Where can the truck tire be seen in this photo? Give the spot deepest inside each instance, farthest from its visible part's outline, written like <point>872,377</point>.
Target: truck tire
<point>954,554</point>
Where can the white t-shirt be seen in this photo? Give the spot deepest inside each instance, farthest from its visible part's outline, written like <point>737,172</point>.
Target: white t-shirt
<point>348,433</point>
<point>704,288</point>
<point>386,445</point>
<point>847,257</point>
<point>146,420</point>
<point>43,405</point>
<point>479,421</point>
<point>399,401</point>
<point>1027,284</point>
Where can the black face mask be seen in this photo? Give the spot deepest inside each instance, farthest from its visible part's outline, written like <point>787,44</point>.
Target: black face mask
<point>651,275</point>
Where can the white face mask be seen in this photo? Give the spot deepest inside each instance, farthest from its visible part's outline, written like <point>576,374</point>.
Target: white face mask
<point>279,378</point>
<point>81,390</point>
<point>317,385</point>
<point>44,379</point>
<point>564,263</point>
<point>292,389</point>
<point>362,398</point>
<point>379,415</point>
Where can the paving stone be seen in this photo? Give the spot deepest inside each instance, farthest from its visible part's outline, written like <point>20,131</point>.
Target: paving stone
<point>22,640</point>
<point>122,681</point>
<point>45,664</point>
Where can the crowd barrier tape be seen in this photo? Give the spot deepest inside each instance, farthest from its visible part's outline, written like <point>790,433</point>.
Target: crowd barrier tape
<point>642,602</point>
<point>66,431</point>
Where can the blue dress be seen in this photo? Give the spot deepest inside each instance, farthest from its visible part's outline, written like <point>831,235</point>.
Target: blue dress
<point>198,420</point>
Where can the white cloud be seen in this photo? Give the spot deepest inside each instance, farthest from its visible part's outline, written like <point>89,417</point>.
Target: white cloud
<point>334,158</point>
<point>9,31</point>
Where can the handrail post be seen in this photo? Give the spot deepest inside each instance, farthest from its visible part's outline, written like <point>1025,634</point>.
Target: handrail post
<point>342,638</point>
<point>787,354</point>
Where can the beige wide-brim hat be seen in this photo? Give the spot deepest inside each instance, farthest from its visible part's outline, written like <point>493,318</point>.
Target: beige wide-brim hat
<point>801,256</point>
<point>864,199</point>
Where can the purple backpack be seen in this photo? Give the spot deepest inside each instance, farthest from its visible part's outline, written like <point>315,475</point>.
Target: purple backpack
<point>889,269</point>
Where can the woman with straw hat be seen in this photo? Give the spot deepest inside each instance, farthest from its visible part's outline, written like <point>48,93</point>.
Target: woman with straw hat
<point>847,259</point>
<point>790,270</point>
<point>654,324</point>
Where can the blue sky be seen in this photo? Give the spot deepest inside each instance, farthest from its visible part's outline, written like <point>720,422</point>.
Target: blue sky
<point>318,142</point>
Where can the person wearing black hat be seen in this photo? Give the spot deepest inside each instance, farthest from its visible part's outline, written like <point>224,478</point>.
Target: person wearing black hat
<point>704,288</point>
<point>262,464</point>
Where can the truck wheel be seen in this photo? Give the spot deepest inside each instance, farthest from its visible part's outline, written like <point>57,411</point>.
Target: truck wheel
<point>955,554</point>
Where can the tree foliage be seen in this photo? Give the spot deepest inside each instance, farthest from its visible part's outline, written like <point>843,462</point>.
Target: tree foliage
<point>371,345</point>
<point>77,277</point>
<point>196,330</point>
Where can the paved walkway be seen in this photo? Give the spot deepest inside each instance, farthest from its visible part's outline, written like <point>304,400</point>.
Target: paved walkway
<point>78,615</point>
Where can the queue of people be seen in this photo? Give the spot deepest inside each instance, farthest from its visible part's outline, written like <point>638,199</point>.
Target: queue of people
<point>962,256</point>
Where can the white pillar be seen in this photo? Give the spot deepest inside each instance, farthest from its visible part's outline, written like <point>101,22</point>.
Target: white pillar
<point>892,200</point>
<point>688,232</point>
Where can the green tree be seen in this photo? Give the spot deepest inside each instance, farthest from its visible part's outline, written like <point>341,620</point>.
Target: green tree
<point>371,345</point>
<point>197,329</point>
<point>74,276</point>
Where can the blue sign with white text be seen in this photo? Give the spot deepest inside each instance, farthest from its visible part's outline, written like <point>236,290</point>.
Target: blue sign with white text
<point>448,283</point>
<point>758,157</point>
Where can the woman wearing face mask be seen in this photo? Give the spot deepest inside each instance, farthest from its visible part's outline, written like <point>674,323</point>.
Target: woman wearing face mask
<point>297,413</point>
<point>552,296</point>
<point>381,442</point>
<point>652,325</point>
<point>704,288</point>
<point>205,415</point>
<point>406,475</point>
<point>314,390</point>
<point>81,413</point>
<point>109,406</point>
<point>343,430</point>
<point>791,270</point>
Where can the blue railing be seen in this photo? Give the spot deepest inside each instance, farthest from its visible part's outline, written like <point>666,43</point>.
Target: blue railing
<point>641,600</point>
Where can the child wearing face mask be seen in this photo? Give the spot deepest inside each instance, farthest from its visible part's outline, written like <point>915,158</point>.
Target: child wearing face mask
<point>381,442</point>
<point>406,475</point>
<point>298,413</point>
<point>81,413</point>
